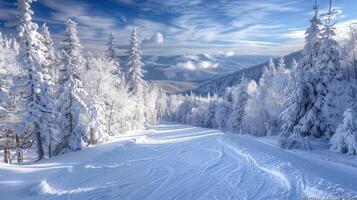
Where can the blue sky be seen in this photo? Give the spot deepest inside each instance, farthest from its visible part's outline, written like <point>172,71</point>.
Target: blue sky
<point>259,27</point>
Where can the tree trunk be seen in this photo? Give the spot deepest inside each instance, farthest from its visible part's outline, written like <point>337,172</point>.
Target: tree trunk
<point>92,139</point>
<point>110,118</point>
<point>6,155</point>
<point>19,153</point>
<point>40,151</point>
<point>348,73</point>
<point>49,150</point>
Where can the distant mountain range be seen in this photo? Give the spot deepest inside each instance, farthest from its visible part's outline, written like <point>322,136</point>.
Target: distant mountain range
<point>196,68</point>
<point>204,73</point>
<point>219,84</point>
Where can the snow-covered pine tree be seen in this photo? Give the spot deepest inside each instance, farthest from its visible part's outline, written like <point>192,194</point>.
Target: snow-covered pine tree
<point>298,117</point>
<point>345,138</point>
<point>49,124</point>
<point>35,99</point>
<point>329,75</point>
<point>240,98</point>
<point>209,117</point>
<point>111,51</point>
<point>329,58</point>
<point>71,104</point>
<point>134,74</point>
<point>112,54</point>
<point>134,80</point>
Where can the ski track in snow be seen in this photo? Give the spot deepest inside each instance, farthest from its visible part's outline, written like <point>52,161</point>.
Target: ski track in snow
<point>174,161</point>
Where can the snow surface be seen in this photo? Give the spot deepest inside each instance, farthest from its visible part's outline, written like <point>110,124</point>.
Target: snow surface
<point>174,161</point>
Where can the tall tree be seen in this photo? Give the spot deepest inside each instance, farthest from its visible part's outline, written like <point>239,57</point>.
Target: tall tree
<point>134,73</point>
<point>71,105</point>
<point>134,80</point>
<point>32,54</point>
<point>240,99</point>
<point>111,51</point>
<point>319,67</point>
<point>297,118</point>
<point>329,77</point>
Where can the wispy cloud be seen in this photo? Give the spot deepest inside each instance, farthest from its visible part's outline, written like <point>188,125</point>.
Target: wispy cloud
<point>187,26</point>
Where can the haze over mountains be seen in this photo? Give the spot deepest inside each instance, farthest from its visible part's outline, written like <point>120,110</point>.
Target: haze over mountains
<point>196,68</point>
<point>187,72</point>
<point>205,73</point>
<point>219,84</point>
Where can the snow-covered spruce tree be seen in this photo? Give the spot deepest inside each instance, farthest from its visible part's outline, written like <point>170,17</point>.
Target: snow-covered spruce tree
<point>240,98</point>
<point>71,104</point>
<point>49,126</point>
<point>345,138</point>
<point>112,55</point>
<point>111,51</point>
<point>297,118</point>
<point>37,110</point>
<point>209,117</point>
<point>134,80</point>
<point>134,74</point>
<point>330,80</point>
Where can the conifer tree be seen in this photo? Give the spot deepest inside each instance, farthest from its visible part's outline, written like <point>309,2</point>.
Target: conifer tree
<point>134,74</point>
<point>240,98</point>
<point>345,138</point>
<point>71,104</point>
<point>35,99</point>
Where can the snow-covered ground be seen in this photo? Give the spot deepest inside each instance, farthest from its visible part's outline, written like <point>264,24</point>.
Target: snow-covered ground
<point>174,161</point>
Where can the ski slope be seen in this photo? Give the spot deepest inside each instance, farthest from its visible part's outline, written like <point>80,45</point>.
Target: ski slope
<point>173,161</point>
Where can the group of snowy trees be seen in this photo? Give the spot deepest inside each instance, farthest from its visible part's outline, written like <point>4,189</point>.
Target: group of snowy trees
<point>312,98</point>
<point>59,100</point>
<point>248,107</point>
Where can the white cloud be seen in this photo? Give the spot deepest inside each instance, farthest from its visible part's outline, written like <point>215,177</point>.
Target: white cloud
<point>229,53</point>
<point>194,65</point>
<point>157,38</point>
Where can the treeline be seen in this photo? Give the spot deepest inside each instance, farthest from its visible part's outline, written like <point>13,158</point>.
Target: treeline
<point>58,100</point>
<point>312,98</point>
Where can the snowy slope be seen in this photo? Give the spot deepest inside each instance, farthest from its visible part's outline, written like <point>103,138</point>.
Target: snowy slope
<point>174,161</point>
<point>195,67</point>
<point>218,85</point>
